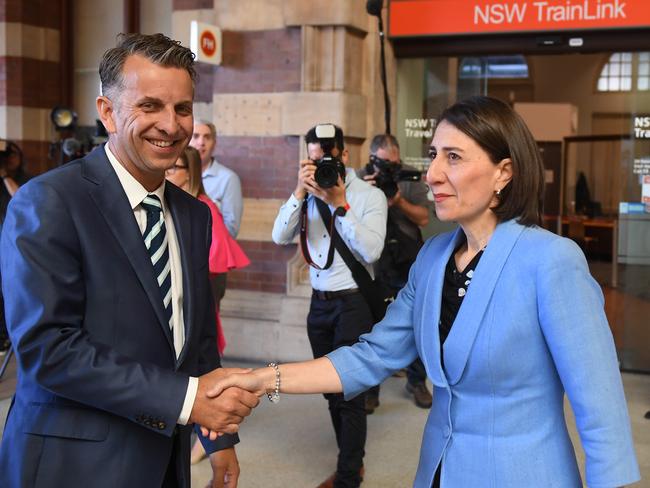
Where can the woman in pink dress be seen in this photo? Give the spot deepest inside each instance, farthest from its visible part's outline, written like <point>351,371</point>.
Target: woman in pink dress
<point>225,253</point>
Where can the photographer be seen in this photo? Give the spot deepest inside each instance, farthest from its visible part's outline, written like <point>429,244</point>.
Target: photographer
<point>408,210</point>
<point>13,176</point>
<point>338,312</point>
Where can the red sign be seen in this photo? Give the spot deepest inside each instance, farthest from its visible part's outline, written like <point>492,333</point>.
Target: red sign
<point>454,17</point>
<point>208,43</point>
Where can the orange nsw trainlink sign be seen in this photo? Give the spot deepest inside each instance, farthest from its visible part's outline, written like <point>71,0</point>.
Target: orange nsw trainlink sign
<point>453,17</point>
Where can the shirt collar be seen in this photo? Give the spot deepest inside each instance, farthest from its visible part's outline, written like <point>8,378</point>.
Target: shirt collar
<point>349,176</point>
<point>212,169</point>
<point>134,190</point>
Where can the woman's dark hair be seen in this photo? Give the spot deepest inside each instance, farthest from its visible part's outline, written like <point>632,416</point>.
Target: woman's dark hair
<point>192,159</point>
<point>502,134</point>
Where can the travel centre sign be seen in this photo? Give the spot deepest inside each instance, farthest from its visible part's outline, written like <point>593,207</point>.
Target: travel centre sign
<point>408,18</point>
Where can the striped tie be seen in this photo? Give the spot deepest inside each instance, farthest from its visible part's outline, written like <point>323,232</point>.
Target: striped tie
<point>155,238</point>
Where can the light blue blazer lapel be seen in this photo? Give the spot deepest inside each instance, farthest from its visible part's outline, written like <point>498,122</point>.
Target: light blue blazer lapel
<point>114,207</point>
<point>182,224</point>
<point>459,343</point>
<point>436,261</point>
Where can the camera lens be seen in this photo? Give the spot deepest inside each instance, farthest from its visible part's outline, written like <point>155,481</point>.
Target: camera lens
<point>326,174</point>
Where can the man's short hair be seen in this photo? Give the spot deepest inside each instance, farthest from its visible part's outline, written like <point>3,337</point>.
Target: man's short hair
<point>157,48</point>
<point>211,126</point>
<point>311,138</point>
<point>383,141</point>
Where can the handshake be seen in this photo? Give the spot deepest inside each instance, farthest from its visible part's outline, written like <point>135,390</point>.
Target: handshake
<point>226,396</point>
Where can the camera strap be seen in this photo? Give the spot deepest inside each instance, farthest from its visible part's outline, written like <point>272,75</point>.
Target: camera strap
<point>359,273</point>
<point>304,228</point>
<point>376,299</point>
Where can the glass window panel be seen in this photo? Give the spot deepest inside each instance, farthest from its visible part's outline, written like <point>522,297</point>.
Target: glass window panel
<point>626,69</point>
<point>605,70</point>
<point>644,69</point>
<point>626,83</point>
<point>616,57</point>
<point>626,57</point>
<point>644,57</point>
<point>614,84</point>
<point>643,83</point>
<point>614,69</point>
<point>602,84</point>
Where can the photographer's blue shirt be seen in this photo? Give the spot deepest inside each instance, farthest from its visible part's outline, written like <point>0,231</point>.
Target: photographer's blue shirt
<point>363,229</point>
<point>223,187</point>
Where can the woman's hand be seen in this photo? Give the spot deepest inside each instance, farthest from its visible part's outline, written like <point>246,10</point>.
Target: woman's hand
<point>253,382</point>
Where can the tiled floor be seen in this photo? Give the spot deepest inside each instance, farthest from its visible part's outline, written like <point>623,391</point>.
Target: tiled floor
<point>292,445</point>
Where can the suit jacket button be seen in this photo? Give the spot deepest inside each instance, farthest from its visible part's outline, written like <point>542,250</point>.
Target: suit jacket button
<point>162,425</point>
<point>147,422</point>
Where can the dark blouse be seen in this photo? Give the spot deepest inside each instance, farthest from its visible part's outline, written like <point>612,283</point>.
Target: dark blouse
<point>454,289</point>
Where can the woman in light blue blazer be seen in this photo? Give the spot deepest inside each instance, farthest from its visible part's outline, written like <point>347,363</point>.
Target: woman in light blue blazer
<point>506,318</point>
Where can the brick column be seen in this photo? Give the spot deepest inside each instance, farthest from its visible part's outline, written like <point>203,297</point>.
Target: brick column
<point>30,75</point>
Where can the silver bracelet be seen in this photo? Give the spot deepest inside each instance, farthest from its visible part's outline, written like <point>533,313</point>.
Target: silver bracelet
<point>274,397</point>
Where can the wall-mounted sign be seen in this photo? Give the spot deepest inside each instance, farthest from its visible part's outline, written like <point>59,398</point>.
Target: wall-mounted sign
<point>453,17</point>
<point>641,166</point>
<point>633,208</point>
<point>419,128</point>
<point>205,42</point>
<point>641,126</point>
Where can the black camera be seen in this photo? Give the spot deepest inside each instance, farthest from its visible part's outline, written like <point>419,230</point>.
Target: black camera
<point>7,148</point>
<point>389,174</point>
<point>328,168</point>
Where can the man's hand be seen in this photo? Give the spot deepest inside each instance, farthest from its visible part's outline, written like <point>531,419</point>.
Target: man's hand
<point>371,178</point>
<point>225,469</point>
<point>225,412</point>
<point>306,181</point>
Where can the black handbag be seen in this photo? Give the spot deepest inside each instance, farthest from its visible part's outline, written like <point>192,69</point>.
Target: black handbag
<point>373,293</point>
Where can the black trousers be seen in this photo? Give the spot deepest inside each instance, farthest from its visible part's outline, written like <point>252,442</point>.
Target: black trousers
<point>218,285</point>
<point>331,324</point>
<point>415,373</point>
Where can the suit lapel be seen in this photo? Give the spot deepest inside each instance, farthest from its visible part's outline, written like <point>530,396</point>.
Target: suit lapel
<point>431,303</point>
<point>114,207</point>
<point>182,224</point>
<point>470,316</point>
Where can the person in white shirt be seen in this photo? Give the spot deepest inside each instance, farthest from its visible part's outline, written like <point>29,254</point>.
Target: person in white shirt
<point>338,313</point>
<point>221,183</point>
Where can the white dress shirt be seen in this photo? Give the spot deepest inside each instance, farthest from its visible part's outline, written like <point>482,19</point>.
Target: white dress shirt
<point>363,229</point>
<point>135,193</point>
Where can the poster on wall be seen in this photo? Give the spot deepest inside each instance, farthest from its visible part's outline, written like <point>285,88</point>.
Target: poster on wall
<point>410,18</point>
<point>645,189</point>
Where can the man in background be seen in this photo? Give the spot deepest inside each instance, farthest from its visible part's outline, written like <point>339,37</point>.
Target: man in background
<point>408,211</point>
<point>13,175</point>
<point>338,313</point>
<point>221,183</point>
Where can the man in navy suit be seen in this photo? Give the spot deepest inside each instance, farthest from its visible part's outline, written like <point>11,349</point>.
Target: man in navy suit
<point>105,276</point>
